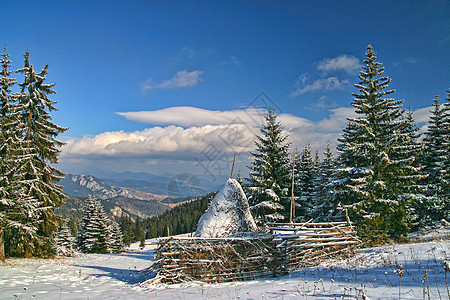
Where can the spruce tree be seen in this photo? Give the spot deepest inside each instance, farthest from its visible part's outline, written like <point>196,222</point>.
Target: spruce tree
<point>435,159</point>
<point>116,243</point>
<point>324,208</point>
<point>35,174</point>
<point>375,174</point>
<point>127,226</point>
<point>269,177</point>
<point>6,163</point>
<point>446,177</point>
<point>19,213</point>
<point>6,98</point>
<point>65,241</point>
<point>94,233</point>
<point>413,150</point>
<point>73,225</point>
<point>304,184</point>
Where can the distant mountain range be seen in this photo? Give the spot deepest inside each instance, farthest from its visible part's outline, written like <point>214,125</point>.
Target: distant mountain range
<point>134,194</point>
<point>179,185</point>
<point>85,185</point>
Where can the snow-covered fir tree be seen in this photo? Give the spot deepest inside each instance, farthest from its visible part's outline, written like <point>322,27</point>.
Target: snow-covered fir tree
<point>317,160</point>
<point>19,213</point>
<point>7,127</point>
<point>304,184</point>
<point>65,241</point>
<point>115,242</point>
<point>269,178</point>
<point>6,98</point>
<point>94,234</point>
<point>435,160</point>
<point>35,175</point>
<point>324,208</point>
<point>412,149</point>
<point>446,203</point>
<point>376,177</point>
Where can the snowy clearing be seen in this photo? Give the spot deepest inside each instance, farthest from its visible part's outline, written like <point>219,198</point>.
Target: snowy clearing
<point>115,276</point>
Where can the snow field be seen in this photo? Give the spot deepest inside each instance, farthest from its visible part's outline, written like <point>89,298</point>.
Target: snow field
<point>370,272</point>
<point>92,276</point>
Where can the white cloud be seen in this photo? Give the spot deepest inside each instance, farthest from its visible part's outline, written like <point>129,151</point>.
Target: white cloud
<point>348,63</point>
<point>187,116</point>
<point>322,104</point>
<point>158,148</point>
<point>159,144</point>
<point>304,85</point>
<point>180,80</point>
<point>422,115</point>
<point>324,82</point>
<point>318,134</point>
<point>175,142</point>
<point>337,119</point>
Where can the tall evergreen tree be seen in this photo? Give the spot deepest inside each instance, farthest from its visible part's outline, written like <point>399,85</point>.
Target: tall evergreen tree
<point>127,226</point>
<point>411,150</point>
<point>18,212</point>
<point>6,98</point>
<point>435,159</point>
<point>304,184</point>
<point>65,241</point>
<point>324,208</point>
<point>116,243</point>
<point>375,174</point>
<point>446,200</point>
<point>94,233</point>
<point>269,182</point>
<point>35,175</point>
<point>6,105</point>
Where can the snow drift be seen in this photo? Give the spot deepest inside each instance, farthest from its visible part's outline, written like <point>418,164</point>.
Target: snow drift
<point>228,215</point>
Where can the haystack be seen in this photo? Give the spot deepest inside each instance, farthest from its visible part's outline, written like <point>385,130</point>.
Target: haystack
<point>228,215</point>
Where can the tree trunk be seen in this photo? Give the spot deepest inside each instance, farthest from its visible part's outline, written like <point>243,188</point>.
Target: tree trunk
<point>2,247</point>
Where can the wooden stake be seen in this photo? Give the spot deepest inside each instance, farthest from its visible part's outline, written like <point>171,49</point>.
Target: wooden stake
<point>292,214</point>
<point>348,220</point>
<point>232,169</point>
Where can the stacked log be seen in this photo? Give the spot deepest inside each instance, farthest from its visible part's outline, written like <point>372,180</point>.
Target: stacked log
<point>308,244</point>
<point>286,247</point>
<point>215,259</point>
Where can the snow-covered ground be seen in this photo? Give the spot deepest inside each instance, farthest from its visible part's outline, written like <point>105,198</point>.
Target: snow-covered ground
<point>371,272</point>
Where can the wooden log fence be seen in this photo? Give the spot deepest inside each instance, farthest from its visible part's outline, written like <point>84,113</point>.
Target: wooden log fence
<point>278,251</point>
<point>307,244</point>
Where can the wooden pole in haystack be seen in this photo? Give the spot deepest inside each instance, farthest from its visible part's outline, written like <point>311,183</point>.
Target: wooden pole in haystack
<point>232,168</point>
<point>292,214</point>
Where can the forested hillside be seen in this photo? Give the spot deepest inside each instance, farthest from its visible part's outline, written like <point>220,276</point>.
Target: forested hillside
<point>181,219</point>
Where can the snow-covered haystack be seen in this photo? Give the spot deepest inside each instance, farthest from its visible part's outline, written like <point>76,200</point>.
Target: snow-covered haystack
<point>228,215</point>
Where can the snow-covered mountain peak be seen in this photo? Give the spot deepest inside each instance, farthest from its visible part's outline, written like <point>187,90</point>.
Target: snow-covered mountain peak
<point>85,185</point>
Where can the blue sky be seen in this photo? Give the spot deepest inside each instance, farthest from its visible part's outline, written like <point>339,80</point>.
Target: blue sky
<point>155,85</point>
